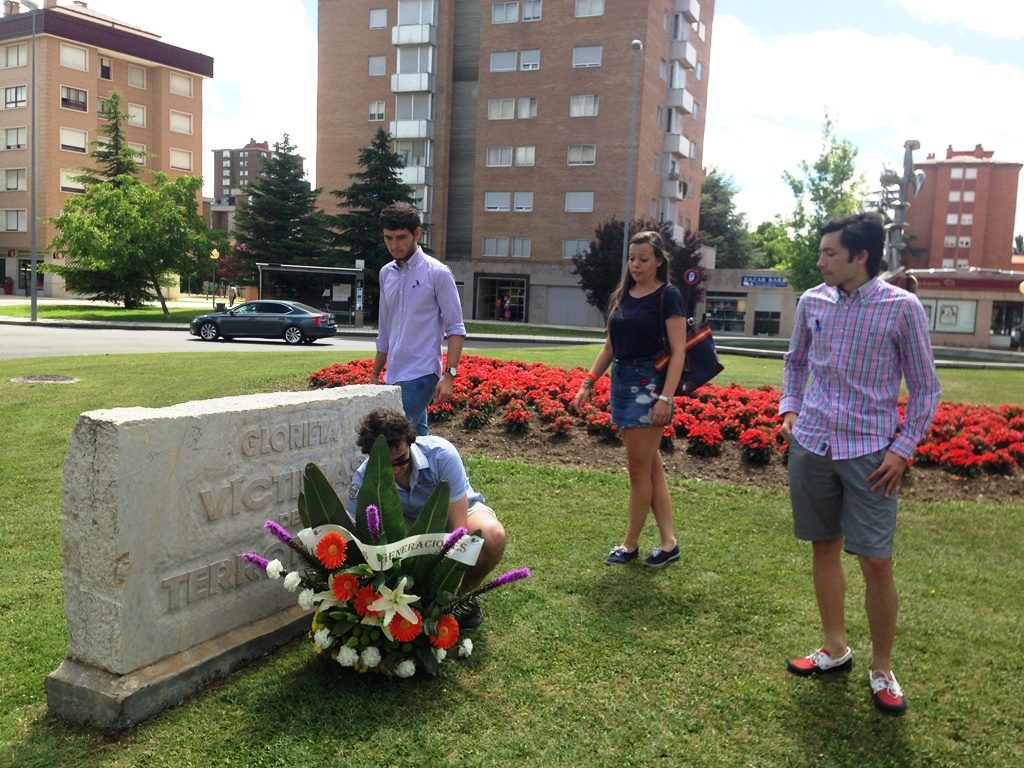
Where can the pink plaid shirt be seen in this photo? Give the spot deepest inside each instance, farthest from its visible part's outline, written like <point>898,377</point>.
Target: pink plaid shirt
<point>856,348</point>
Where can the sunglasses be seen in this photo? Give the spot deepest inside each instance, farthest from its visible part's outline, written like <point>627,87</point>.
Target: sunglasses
<point>402,462</point>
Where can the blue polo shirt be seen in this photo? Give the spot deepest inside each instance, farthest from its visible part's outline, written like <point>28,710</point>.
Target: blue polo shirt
<point>433,459</point>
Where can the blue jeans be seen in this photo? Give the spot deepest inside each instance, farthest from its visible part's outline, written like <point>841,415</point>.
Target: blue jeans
<point>416,396</point>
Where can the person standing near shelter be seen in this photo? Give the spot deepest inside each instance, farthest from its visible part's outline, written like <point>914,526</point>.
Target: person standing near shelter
<point>232,295</point>
<point>419,306</point>
<point>854,338</point>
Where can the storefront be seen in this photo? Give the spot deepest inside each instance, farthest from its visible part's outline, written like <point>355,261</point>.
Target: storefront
<point>974,307</point>
<point>749,302</point>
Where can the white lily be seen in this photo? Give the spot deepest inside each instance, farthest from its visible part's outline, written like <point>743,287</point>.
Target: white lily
<point>392,601</point>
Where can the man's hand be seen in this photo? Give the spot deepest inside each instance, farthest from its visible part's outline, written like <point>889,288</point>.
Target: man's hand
<point>375,378</point>
<point>443,391</point>
<point>786,430</point>
<point>889,474</point>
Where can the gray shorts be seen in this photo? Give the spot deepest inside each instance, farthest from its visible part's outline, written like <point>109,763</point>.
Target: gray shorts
<point>832,500</point>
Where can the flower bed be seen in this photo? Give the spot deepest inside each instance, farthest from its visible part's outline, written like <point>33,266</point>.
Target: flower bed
<point>964,440</point>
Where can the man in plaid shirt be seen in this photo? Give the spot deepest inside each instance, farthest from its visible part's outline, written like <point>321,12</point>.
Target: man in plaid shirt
<point>854,339</point>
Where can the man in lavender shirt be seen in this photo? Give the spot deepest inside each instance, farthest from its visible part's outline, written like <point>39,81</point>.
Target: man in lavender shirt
<point>855,338</point>
<point>419,306</point>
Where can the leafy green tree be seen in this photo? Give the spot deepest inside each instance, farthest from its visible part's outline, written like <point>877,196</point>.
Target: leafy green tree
<point>772,244</point>
<point>1018,244</point>
<point>721,225</point>
<point>376,186</point>
<point>600,267</point>
<point>116,161</point>
<point>280,222</point>
<point>823,190</point>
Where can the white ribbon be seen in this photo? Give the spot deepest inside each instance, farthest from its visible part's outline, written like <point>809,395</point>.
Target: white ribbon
<point>381,557</point>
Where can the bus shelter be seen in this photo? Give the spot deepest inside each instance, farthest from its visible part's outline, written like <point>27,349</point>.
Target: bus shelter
<point>338,290</point>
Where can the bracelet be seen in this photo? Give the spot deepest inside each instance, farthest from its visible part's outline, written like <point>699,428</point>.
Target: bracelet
<point>665,399</point>
<point>588,381</point>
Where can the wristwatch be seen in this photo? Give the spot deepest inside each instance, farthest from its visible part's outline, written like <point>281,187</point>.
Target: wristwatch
<point>452,371</point>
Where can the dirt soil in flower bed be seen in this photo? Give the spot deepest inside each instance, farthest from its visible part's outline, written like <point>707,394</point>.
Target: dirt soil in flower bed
<point>582,451</point>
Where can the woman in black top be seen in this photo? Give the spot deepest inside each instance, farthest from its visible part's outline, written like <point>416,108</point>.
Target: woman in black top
<point>642,305</point>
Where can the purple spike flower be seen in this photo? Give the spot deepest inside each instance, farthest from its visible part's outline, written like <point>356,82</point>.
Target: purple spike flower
<point>278,531</point>
<point>373,522</point>
<point>256,559</point>
<point>453,538</point>
<point>506,578</point>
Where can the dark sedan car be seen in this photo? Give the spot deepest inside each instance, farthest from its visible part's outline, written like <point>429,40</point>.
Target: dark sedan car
<point>289,320</point>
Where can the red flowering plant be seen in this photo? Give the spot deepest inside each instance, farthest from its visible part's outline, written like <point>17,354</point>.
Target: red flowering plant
<point>756,445</point>
<point>384,597</point>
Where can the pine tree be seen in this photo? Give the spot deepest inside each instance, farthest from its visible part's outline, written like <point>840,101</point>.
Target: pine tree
<point>721,225</point>
<point>373,189</point>
<point>280,222</point>
<point>116,161</point>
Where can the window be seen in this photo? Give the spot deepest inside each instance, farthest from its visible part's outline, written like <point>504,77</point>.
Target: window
<point>15,221</point>
<point>589,8</point>
<point>376,111</point>
<point>503,61</point>
<point>582,154</point>
<point>73,57</point>
<point>656,167</point>
<point>532,10</point>
<point>181,122</point>
<point>952,218</point>
<point>521,247</point>
<point>14,180</point>
<point>498,157</point>
<point>414,152</point>
<point>15,138</point>
<point>967,219</point>
<point>106,69</point>
<point>415,59</point>
<point>414,106</point>
<point>956,173</point>
<point>136,115</point>
<point>696,110</point>
<point>72,140</point>
<point>526,156</point>
<point>693,149</point>
<point>523,202</point>
<point>69,181</point>
<point>103,109</point>
<point>527,107</point>
<point>971,173</point>
<point>377,66</point>
<point>136,76</point>
<point>663,70</point>
<point>529,60</point>
<point>501,109</point>
<point>579,202</point>
<point>954,196</point>
<point>180,84</point>
<point>949,241</point>
<point>415,12</point>
<point>181,159</point>
<point>378,18</point>
<point>141,149</point>
<point>584,105</point>
<point>497,201</point>
<point>699,71</point>
<point>964,241</point>
<point>15,96</point>
<point>15,56</point>
<point>495,246</point>
<point>586,56</point>
<point>573,248</point>
<point>74,98</point>
<point>968,195</point>
<point>504,13</point>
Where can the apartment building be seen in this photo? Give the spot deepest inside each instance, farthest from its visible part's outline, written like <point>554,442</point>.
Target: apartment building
<point>233,169</point>
<point>515,120</point>
<point>66,58</point>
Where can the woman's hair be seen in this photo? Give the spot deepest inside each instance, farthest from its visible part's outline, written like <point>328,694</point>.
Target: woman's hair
<point>384,421</point>
<point>649,237</point>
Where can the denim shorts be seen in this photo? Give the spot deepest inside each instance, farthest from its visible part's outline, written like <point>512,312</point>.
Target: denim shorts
<point>634,391</point>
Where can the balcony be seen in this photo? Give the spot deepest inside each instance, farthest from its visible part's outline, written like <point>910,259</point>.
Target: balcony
<point>685,54</point>
<point>689,8</point>
<point>673,189</point>
<point>414,34</point>
<point>677,144</point>
<point>412,129</point>
<point>680,98</point>
<point>413,83</point>
<point>416,174</point>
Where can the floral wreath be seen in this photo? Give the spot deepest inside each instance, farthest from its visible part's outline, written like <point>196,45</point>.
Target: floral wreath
<point>383,598</point>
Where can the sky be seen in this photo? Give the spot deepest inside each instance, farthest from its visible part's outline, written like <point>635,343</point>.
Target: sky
<point>939,71</point>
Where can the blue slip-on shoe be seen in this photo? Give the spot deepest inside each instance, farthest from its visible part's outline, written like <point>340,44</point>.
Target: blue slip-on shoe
<point>661,557</point>
<point>620,556</point>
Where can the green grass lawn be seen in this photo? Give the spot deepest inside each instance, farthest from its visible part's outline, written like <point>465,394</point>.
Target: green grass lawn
<point>580,665</point>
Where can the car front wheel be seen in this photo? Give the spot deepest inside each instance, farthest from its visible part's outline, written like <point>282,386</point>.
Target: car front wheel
<point>208,332</point>
<point>293,334</point>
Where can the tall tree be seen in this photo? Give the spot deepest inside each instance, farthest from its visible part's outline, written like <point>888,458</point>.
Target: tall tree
<point>116,161</point>
<point>721,225</point>
<point>280,222</point>
<point>828,188</point>
<point>376,186</point>
<point>600,267</point>
<point>772,244</point>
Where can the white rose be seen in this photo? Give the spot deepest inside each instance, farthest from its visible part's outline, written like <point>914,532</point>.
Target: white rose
<point>275,569</point>
<point>370,657</point>
<point>347,656</point>
<point>322,638</point>
<point>292,581</point>
<point>406,669</point>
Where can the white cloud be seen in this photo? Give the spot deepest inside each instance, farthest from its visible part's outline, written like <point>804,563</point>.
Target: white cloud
<point>1002,19</point>
<point>768,98</point>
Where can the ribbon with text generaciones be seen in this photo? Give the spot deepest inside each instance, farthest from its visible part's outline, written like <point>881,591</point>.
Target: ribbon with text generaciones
<point>381,556</point>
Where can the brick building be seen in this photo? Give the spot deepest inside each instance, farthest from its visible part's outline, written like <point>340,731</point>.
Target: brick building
<point>232,170</point>
<point>80,57</point>
<point>515,121</point>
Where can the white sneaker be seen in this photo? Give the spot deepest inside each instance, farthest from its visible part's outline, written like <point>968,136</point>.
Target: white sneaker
<point>818,662</point>
<point>886,692</point>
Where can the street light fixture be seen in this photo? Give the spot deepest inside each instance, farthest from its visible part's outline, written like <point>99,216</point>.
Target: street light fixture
<point>214,254</point>
<point>638,47</point>
<point>32,200</point>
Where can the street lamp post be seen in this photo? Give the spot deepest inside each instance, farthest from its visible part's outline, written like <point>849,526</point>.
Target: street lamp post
<point>638,47</point>
<point>214,255</point>
<point>32,200</point>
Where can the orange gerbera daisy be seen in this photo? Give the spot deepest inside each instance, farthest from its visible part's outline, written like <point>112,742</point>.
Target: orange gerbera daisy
<point>447,632</point>
<point>364,597</point>
<point>344,586</point>
<point>404,630</point>
<point>331,551</point>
